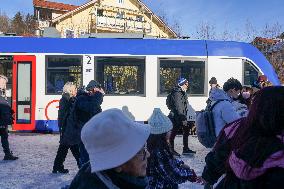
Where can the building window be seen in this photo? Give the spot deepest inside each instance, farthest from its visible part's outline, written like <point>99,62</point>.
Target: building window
<point>100,12</point>
<point>250,73</point>
<point>172,69</point>
<point>120,15</point>
<point>139,18</point>
<point>69,33</point>
<point>121,76</point>
<point>61,69</point>
<point>120,1</point>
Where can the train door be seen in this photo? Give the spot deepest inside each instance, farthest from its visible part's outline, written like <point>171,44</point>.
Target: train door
<point>24,91</point>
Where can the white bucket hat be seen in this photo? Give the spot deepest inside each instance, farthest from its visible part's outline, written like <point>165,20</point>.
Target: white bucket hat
<point>159,122</point>
<point>111,139</point>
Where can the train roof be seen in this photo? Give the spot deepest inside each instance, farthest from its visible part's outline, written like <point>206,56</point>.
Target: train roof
<point>139,47</point>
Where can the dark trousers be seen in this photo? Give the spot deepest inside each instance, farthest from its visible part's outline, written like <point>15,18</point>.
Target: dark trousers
<point>62,153</point>
<point>177,126</point>
<point>4,140</point>
<point>84,156</point>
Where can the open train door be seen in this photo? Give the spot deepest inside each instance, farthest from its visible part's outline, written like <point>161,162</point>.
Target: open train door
<point>24,92</point>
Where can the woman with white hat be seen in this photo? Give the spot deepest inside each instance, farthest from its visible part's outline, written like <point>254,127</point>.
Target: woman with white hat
<point>117,151</point>
<point>164,170</point>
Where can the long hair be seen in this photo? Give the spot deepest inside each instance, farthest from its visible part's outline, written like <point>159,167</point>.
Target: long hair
<point>256,138</point>
<point>158,141</point>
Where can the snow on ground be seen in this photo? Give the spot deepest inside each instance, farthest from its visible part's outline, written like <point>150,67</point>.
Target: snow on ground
<point>36,155</point>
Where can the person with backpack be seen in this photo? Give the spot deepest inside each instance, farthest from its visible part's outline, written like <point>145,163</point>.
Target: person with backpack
<point>6,118</point>
<point>225,112</point>
<point>66,129</point>
<point>88,104</point>
<point>250,151</point>
<point>177,102</point>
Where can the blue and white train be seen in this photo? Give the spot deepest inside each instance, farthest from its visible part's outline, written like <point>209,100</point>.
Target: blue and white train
<point>135,73</point>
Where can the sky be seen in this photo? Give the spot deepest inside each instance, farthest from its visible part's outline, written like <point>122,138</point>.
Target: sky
<point>231,15</point>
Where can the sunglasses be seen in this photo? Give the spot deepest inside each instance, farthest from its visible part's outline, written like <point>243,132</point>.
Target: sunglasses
<point>143,152</point>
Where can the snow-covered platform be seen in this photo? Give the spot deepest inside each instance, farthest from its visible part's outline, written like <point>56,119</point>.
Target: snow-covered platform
<point>36,155</point>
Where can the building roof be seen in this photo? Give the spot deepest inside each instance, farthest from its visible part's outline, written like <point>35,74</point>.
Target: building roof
<point>265,40</point>
<point>53,5</point>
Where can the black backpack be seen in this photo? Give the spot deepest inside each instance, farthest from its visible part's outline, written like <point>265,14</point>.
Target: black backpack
<point>170,101</point>
<point>205,126</point>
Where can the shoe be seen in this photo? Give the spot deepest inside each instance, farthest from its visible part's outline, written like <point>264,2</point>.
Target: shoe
<point>10,157</point>
<point>187,151</point>
<point>60,170</point>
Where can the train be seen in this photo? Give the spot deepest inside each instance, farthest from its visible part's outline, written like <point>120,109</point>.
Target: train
<point>136,74</point>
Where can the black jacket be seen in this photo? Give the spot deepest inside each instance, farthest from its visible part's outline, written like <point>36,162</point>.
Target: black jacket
<point>180,102</point>
<point>87,180</point>
<point>88,105</point>
<point>272,177</point>
<point>6,113</point>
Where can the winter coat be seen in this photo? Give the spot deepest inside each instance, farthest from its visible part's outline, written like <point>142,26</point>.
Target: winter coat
<point>166,171</point>
<point>70,132</point>
<point>87,180</point>
<point>180,103</point>
<point>224,112</point>
<point>88,105</point>
<point>6,113</point>
<point>64,110</point>
<point>269,175</point>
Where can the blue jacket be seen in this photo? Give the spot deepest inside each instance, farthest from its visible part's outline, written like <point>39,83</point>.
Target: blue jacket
<point>6,113</point>
<point>224,112</point>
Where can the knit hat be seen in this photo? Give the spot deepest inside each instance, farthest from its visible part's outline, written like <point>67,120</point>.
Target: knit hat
<point>182,81</point>
<point>111,139</point>
<point>159,122</point>
<point>92,84</point>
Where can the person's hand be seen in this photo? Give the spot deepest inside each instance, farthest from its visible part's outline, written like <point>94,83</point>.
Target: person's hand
<point>200,180</point>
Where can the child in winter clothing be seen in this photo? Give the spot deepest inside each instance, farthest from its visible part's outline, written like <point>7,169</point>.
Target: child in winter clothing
<point>164,170</point>
<point>253,147</point>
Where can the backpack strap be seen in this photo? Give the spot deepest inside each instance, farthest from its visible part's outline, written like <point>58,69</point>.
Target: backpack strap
<point>215,103</point>
<point>106,180</point>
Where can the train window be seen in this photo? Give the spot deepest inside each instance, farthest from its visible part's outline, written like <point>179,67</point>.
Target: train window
<point>121,75</point>
<point>61,69</point>
<point>250,73</point>
<point>172,69</point>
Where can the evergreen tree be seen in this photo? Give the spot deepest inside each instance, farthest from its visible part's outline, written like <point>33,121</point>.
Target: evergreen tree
<point>18,25</point>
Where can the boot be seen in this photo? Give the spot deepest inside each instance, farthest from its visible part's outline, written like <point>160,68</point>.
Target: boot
<point>10,156</point>
<point>60,170</point>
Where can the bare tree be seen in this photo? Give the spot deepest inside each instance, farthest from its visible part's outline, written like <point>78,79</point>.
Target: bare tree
<point>250,31</point>
<point>4,22</point>
<point>205,30</point>
<point>271,30</point>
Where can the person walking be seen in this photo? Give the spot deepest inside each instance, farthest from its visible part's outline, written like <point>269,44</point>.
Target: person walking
<point>88,104</point>
<point>66,129</point>
<point>164,170</point>
<point>250,151</point>
<point>178,115</point>
<point>6,118</point>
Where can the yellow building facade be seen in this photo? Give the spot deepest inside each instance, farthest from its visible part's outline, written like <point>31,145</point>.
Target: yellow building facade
<point>112,16</point>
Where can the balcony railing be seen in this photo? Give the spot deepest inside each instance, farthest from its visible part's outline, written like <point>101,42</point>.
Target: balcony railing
<point>122,24</point>
<point>43,24</point>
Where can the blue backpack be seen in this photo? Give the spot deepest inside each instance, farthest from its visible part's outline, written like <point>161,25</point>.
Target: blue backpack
<point>205,126</point>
